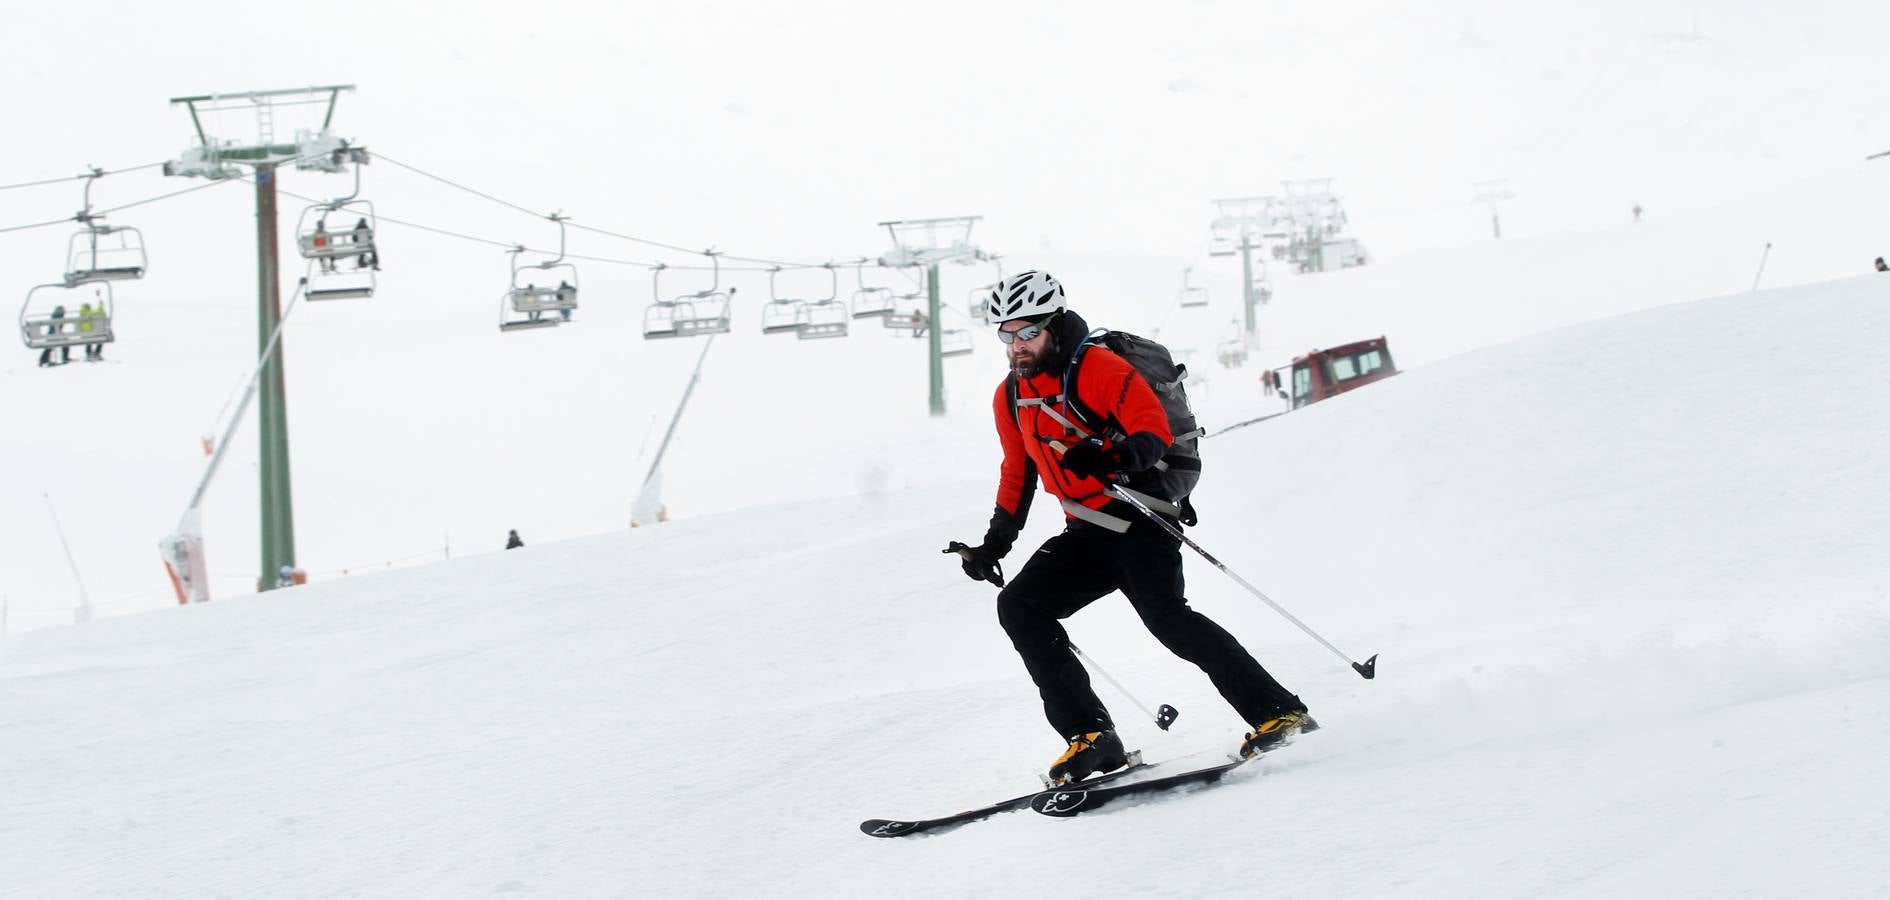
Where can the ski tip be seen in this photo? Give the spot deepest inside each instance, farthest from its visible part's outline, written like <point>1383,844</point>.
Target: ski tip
<point>1367,669</point>
<point>886,827</point>
<point>1061,804</point>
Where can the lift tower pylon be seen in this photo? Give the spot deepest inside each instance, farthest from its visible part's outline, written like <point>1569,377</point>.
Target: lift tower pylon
<point>215,157</point>
<point>928,242</point>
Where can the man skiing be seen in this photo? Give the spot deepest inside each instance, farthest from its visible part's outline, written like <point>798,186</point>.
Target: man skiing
<point>1106,545</point>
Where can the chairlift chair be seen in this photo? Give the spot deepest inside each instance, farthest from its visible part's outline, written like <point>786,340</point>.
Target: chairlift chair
<point>41,330</point>
<point>788,314</point>
<point>659,320</point>
<point>105,253</point>
<point>911,319</point>
<point>703,312</point>
<point>823,320</point>
<point>954,342</point>
<point>1232,351</point>
<point>1192,295</point>
<point>870,302</point>
<point>351,237</point>
<point>525,304</point>
<point>978,302</point>
<point>91,255</point>
<point>781,316</point>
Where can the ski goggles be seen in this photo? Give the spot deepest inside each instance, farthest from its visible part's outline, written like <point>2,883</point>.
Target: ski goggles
<point>1026,333</point>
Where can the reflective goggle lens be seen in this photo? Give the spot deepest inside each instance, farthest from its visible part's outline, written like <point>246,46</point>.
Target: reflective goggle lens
<point>1028,332</point>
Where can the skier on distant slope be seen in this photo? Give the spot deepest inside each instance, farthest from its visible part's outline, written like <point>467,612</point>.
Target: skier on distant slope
<point>1105,545</point>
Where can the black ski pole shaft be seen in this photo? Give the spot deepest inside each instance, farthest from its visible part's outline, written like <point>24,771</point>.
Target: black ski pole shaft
<point>1366,669</point>
<point>1164,717</point>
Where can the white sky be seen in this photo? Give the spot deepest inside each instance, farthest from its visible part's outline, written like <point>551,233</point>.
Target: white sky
<point>788,129</point>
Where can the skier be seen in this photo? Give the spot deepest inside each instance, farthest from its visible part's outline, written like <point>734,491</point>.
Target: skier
<point>1105,544</point>
<point>1881,266</point>
<point>512,540</point>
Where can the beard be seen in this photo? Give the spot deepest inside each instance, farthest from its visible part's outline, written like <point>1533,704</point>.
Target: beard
<point>1035,363</point>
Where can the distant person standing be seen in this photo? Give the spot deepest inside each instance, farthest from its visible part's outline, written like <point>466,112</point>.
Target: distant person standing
<point>1881,267</point>
<point>512,540</point>
<point>1637,213</point>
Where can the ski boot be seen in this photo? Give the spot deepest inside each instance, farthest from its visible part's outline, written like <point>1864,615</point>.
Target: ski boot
<point>1272,732</point>
<point>1090,754</point>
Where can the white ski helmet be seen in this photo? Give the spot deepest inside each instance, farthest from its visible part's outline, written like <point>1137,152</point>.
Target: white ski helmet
<point>1026,295</point>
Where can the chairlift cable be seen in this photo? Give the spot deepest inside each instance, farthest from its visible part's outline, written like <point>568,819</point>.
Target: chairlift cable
<point>592,228</point>
<point>450,183</point>
<point>187,190</point>
<point>66,178</point>
<point>64,221</point>
<point>102,212</point>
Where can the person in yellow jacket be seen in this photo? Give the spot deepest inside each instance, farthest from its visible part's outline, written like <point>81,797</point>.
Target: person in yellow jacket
<point>89,316</point>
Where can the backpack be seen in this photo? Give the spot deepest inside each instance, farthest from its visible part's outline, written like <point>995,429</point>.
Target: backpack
<point>1180,468</point>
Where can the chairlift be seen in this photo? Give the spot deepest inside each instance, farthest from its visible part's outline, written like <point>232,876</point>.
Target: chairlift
<point>911,319</point>
<point>105,253</point>
<point>908,311</point>
<point>869,302</point>
<point>785,314</point>
<point>102,252</point>
<point>978,300</point>
<point>1232,350</point>
<point>342,258</point>
<point>1192,295</point>
<point>703,312</point>
<point>537,288</point>
<point>62,314</point>
<point>823,319</point>
<point>954,342</point>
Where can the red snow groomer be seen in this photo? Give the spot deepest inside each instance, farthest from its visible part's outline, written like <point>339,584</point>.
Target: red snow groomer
<point>1335,370</point>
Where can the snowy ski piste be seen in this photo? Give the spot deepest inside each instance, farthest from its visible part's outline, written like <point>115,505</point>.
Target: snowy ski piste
<point>1626,577</point>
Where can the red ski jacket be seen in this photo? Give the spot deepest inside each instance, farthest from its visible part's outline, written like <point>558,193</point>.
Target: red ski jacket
<point>1106,384</point>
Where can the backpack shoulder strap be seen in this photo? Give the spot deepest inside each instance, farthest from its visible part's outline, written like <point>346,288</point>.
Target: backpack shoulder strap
<point>1083,414</point>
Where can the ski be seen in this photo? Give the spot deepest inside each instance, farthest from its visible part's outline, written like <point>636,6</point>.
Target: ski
<point>1081,798</point>
<point>890,828</point>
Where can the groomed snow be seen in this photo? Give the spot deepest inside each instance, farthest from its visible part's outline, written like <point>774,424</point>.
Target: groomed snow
<point>1626,578</point>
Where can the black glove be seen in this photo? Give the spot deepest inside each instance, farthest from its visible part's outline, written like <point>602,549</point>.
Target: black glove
<point>980,562</point>
<point>1089,460</point>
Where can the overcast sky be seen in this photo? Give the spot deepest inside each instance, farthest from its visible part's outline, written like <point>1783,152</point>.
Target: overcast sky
<point>789,129</point>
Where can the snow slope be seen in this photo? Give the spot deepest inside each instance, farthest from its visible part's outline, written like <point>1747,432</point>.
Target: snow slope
<point>1626,577</point>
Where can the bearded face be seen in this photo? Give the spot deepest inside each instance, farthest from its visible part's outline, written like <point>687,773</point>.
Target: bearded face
<point>1028,358</point>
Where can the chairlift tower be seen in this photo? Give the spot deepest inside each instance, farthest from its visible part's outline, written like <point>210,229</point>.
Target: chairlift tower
<point>1492,192</point>
<point>1241,226</point>
<point>216,157</point>
<point>928,242</point>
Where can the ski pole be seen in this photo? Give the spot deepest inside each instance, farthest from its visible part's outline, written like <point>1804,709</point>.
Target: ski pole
<point>1163,717</point>
<point>1761,273</point>
<point>1366,669</point>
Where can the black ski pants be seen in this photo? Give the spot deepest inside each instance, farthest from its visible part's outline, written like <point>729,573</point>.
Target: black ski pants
<point>1081,565</point>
